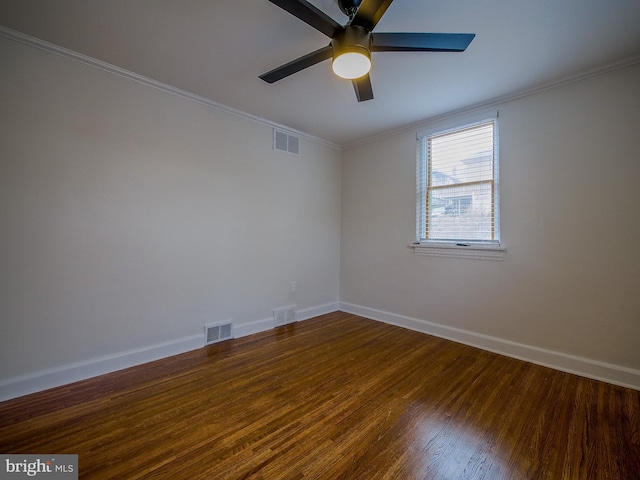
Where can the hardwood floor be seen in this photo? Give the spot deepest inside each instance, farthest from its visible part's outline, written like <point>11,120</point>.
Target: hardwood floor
<point>335,397</point>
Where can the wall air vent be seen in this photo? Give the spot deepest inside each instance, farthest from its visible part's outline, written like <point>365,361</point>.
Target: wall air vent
<point>284,315</point>
<point>286,143</point>
<point>217,332</point>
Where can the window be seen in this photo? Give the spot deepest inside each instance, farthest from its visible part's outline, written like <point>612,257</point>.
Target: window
<point>458,185</point>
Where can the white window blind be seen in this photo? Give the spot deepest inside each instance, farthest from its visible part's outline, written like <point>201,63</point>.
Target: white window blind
<point>458,184</point>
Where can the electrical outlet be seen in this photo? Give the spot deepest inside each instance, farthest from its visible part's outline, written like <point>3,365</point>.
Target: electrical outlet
<point>292,287</point>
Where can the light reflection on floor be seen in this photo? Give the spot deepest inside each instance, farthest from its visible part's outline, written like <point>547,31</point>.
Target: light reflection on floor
<point>439,445</point>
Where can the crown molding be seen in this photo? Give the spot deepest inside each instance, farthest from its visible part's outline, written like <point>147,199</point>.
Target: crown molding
<point>494,102</point>
<point>113,69</point>
<point>497,101</point>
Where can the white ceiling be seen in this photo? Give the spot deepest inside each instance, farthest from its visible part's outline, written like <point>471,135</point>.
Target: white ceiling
<point>216,49</point>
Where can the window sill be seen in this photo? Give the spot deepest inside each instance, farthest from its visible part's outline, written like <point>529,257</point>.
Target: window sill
<point>451,250</point>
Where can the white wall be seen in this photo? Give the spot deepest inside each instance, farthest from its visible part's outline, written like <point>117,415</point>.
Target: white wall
<point>130,217</point>
<point>568,290</point>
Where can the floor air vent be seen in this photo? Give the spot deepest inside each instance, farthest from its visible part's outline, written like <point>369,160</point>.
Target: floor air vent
<point>285,142</point>
<point>218,332</point>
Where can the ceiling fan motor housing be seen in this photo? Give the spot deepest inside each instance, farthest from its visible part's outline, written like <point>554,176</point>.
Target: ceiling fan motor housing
<point>352,39</point>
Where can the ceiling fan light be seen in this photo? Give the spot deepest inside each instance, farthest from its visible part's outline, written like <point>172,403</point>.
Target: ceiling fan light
<point>352,64</point>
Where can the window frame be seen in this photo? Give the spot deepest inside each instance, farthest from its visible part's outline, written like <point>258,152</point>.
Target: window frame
<point>490,249</point>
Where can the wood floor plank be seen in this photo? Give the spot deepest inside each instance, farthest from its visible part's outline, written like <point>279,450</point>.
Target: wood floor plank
<point>335,397</point>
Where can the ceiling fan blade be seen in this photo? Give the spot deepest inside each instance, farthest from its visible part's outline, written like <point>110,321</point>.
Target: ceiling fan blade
<point>296,65</point>
<point>420,42</point>
<point>363,88</point>
<point>370,12</point>
<point>309,15</point>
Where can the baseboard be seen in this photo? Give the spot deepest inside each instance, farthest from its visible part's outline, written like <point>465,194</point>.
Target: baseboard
<point>63,375</point>
<point>55,377</point>
<point>267,323</point>
<point>585,367</point>
<point>308,313</point>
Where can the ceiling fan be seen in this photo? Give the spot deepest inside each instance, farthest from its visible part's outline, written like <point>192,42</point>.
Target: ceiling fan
<point>351,45</point>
